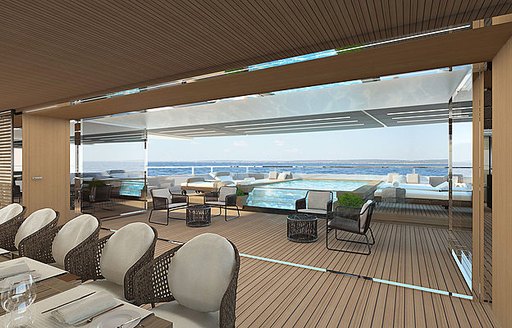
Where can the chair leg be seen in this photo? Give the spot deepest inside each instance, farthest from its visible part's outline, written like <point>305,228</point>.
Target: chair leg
<point>373,237</point>
<point>156,222</point>
<point>226,213</point>
<point>367,243</point>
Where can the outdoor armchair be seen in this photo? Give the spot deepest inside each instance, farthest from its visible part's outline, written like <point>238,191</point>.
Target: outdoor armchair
<point>315,202</point>
<point>163,199</point>
<point>194,283</point>
<point>224,199</point>
<point>352,220</point>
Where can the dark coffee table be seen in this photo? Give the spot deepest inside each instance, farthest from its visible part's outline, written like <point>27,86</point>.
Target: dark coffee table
<point>198,216</point>
<point>302,228</point>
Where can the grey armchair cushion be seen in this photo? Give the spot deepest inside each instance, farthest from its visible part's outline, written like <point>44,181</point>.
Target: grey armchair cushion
<point>162,192</point>
<point>318,199</point>
<point>225,191</point>
<point>364,215</point>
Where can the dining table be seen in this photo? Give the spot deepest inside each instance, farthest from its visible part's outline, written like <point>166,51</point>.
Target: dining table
<point>55,285</point>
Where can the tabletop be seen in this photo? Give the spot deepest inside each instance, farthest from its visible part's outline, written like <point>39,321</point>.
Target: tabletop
<point>53,286</point>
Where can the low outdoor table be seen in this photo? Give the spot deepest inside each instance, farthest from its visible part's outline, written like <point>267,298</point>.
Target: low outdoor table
<point>302,228</point>
<point>198,216</point>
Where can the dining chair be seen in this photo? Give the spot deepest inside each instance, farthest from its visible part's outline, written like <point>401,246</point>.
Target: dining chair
<point>11,217</point>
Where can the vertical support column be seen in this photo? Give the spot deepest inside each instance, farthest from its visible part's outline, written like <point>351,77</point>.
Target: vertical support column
<point>502,182</point>
<point>46,180</point>
<point>478,182</point>
<point>6,157</point>
<point>146,170</point>
<point>450,164</point>
<point>78,167</point>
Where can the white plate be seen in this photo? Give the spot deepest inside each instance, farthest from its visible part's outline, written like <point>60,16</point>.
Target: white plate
<point>116,318</point>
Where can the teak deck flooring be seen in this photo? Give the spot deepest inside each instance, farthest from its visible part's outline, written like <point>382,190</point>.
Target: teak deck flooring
<point>278,295</point>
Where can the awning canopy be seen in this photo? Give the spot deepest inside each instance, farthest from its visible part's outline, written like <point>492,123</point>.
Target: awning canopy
<point>407,99</point>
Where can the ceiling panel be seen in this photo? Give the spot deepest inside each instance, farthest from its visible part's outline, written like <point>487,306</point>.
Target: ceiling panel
<point>54,50</point>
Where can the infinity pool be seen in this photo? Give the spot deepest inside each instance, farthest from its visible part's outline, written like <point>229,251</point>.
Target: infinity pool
<point>282,195</point>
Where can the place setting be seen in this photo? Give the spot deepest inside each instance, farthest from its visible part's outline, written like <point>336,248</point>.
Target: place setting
<point>77,307</point>
<point>38,270</point>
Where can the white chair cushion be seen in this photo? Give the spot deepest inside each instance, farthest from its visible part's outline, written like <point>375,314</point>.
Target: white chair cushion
<point>318,199</point>
<point>200,272</point>
<point>71,235</point>
<point>364,214</point>
<point>312,211</point>
<point>272,175</point>
<point>282,176</point>
<point>181,316</point>
<point>224,191</point>
<point>392,177</point>
<point>123,249</point>
<point>33,223</point>
<point>413,178</point>
<point>9,212</point>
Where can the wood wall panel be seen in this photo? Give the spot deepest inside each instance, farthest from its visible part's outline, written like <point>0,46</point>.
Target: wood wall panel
<point>478,181</point>
<point>502,182</point>
<point>46,164</point>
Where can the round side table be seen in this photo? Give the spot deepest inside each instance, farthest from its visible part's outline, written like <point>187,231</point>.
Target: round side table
<point>302,228</point>
<point>198,216</point>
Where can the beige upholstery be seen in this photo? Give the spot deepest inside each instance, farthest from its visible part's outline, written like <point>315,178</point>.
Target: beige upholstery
<point>123,249</point>
<point>392,177</point>
<point>181,316</point>
<point>272,175</point>
<point>33,223</point>
<point>413,178</point>
<point>364,215</point>
<point>71,235</point>
<point>10,212</point>
<point>318,199</point>
<point>200,272</point>
<point>225,191</point>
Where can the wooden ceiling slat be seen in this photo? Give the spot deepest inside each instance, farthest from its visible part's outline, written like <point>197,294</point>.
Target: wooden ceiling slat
<point>464,47</point>
<point>53,51</point>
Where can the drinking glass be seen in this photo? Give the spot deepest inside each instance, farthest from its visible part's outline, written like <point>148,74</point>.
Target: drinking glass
<point>18,293</point>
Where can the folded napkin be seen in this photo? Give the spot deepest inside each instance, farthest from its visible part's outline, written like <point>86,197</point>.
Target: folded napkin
<point>9,270</point>
<point>84,309</point>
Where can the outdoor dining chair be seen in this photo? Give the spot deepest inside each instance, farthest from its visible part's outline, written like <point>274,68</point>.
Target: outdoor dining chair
<point>115,259</point>
<point>33,229</point>
<point>61,244</point>
<point>11,217</point>
<point>194,283</point>
<point>352,220</point>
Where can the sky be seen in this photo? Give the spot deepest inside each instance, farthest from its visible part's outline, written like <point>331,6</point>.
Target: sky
<point>422,142</point>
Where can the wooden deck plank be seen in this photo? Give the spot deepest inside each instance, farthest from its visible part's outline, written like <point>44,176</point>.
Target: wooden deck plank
<point>271,294</point>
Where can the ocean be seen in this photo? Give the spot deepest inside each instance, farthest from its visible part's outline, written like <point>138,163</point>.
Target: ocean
<point>363,167</point>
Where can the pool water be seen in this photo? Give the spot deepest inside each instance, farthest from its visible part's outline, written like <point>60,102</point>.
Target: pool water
<point>282,195</point>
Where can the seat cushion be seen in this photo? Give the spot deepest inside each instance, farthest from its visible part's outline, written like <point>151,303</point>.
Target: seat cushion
<point>181,316</point>
<point>106,286</point>
<point>162,192</point>
<point>9,212</point>
<point>33,223</point>
<point>413,178</point>
<point>200,272</point>
<point>272,175</point>
<point>215,203</point>
<point>177,205</point>
<point>312,211</point>
<point>123,249</point>
<point>318,199</point>
<point>71,235</point>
